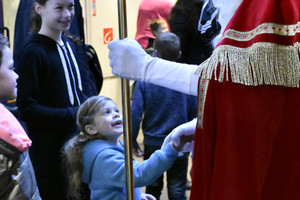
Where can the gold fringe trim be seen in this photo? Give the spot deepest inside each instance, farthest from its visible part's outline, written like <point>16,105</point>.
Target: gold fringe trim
<point>261,64</point>
<point>202,90</point>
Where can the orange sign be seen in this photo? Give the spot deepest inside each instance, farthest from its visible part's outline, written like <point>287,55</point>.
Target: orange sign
<point>94,7</point>
<point>107,35</point>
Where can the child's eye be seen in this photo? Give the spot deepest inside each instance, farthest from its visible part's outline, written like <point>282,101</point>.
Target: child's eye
<point>106,111</point>
<point>58,8</point>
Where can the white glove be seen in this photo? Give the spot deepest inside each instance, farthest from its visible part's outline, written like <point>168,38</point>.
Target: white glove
<point>186,129</point>
<point>129,60</point>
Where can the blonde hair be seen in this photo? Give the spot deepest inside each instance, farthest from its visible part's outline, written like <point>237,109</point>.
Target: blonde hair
<point>73,148</point>
<point>154,24</point>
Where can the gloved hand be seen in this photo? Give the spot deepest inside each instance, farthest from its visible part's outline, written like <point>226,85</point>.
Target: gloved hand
<point>180,134</point>
<point>129,60</point>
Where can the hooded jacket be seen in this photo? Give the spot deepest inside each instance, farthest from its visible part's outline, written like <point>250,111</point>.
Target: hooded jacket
<point>43,94</point>
<point>104,169</point>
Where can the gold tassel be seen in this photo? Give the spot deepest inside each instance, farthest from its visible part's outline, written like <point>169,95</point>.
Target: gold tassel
<point>261,64</point>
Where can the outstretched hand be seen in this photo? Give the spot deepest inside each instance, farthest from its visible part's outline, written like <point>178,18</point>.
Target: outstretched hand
<point>182,144</point>
<point>184,139</point>
<point>138,151</point>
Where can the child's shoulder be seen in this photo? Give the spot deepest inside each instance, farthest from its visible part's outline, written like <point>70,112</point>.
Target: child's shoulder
<point>97,146</point>
<point>11,130</point>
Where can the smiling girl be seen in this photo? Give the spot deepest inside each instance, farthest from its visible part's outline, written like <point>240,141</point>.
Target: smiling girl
<point>50,92</point>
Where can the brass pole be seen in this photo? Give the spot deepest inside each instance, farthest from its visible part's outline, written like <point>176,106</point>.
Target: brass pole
<point>126,109</point>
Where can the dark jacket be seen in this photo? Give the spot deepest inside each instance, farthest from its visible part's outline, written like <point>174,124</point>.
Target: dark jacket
<point>195,47</point>
<point>161,110</point>
<point>43,98</point>
<point>17,179</point>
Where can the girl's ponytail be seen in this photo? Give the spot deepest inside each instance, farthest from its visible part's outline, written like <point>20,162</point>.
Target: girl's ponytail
<point>35,18</point>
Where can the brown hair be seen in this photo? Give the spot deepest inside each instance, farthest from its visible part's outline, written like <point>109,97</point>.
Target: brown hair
<point>35,18</point>
<point>167,45</point>
<point>154,24</point>
<point>3,43</point>
<point>73,148</point>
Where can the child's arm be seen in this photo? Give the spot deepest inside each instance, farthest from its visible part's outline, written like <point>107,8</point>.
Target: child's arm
<point>110,166</point>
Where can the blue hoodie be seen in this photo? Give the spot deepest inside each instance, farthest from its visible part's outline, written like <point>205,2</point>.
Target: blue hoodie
<point>104,169</point>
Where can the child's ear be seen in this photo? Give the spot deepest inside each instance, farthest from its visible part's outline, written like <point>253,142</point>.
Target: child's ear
<point>155,53</point>
<point>179,55</point>
<point>90,129</point>
<point>37,7</point>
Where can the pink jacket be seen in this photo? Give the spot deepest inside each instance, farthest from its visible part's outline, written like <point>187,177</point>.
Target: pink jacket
<point>148,10</point>
<point>11,130</point>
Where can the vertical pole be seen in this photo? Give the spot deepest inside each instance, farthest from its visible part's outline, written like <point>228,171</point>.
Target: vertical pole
<point>126,109</point>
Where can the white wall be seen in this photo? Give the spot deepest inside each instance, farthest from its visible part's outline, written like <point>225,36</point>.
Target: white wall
<point>9,16</point>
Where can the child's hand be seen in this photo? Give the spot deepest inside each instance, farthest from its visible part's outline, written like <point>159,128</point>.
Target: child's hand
<point>184,144</point>
<point>185,140</point>
<point>138,151</point>
<point>145,196</point>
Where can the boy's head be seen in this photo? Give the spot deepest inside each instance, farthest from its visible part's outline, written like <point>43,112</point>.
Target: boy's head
<point>158,26</point>
<point>8,78</point>
<point>167,46</point>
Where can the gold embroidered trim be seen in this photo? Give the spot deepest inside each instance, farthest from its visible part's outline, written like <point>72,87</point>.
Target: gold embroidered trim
<point>269,28</point>
<point>261,64</point>
<point>203,85</point>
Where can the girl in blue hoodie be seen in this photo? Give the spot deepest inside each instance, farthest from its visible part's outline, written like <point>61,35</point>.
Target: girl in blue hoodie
<point>96,155</point>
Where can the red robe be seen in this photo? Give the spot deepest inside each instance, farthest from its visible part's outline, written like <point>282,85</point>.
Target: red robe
<point>249,146</point>
<point>247,143</point>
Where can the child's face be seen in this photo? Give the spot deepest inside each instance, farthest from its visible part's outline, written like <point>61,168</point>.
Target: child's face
<point>56,14</point>
<point>8,78</point>
<point>108,122</point>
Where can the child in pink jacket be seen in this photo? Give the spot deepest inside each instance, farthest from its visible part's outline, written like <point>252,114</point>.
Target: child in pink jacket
<point>17,179</point>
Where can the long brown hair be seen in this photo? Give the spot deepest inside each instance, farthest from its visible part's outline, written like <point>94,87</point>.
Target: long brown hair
<point>35,18</point>
<point>73,148</point>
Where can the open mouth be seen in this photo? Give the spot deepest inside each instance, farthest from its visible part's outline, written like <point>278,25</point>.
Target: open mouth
<point>117,123</point>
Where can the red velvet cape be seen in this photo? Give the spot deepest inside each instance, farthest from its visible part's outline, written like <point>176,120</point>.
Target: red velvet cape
<point>247,142</point>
